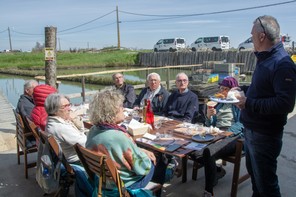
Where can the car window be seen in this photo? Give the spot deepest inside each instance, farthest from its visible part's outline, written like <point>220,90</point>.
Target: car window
<point>198,40</point>
<point>159,42</point>
<point>210,39</point>
<point>180,41</point>
<point>224,39</point>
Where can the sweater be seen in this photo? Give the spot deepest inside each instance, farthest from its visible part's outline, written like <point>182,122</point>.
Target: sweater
<point>271,95</point>
<point>130,160</point>
<point>67,135</point>
<point>182,107</point>
<point>129,95</point>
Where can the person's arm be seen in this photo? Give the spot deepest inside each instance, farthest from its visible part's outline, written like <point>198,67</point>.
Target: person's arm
<point>71,135</point>
<point>140,97</point>
<point>130,97</point>
<point>192,107</point>
<point>284,86</point>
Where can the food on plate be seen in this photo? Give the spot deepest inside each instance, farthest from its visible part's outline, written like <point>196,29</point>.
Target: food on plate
<point>219,95</point>
<point>232,94</point>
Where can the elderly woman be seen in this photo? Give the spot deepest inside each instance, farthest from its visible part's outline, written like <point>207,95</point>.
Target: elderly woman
<point>136,166</point>
<point>155,92</point>
<point>225,116</point>
<point>59,124</point>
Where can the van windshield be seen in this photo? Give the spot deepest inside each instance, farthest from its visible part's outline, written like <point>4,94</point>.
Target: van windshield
<point>180,41</point>
<point>224,39</point>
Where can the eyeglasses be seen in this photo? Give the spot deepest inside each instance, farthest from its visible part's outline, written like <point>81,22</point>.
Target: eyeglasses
<point>262,25</point>
<point>66,105</point>
<point>222,88</point>
<point>182,80</point>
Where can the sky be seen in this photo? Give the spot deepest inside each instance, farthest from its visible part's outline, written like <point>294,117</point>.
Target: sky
<point>92,23</point>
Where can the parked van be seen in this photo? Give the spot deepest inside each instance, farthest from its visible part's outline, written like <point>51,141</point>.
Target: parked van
<point>215,43</point>
<point>171,44</point>
<point>248,45</point>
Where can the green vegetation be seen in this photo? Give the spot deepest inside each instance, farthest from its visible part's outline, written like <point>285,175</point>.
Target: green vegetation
<point>29,61</point>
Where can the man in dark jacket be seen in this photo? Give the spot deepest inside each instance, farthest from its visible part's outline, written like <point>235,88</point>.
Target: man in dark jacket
<point>182,103</point>
<point>127,90</point>
<point>264,109</point>
<point>157,94</point>
<point>25,103</point>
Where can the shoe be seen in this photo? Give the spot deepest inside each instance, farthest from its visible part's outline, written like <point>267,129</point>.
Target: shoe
<point>219,174</point>
<point>207,194</point>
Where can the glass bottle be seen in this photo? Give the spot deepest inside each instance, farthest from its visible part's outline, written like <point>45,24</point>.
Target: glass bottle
<point>149,114</point>
<point>144,110</point>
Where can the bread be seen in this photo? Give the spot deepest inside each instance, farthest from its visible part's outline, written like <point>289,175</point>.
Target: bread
<point>219,95</point>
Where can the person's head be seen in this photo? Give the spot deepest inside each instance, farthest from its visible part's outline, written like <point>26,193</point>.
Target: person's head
<point>107,107</point>
<point>29,87</point>
<point>153,80</point>
<point>226,84</point>
<point>265,32</point>
<point>58,105</point>
<point>182,82</point>
<point>118,79</point>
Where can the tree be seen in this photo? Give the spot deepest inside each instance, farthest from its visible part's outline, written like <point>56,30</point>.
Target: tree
<point>38,47</point>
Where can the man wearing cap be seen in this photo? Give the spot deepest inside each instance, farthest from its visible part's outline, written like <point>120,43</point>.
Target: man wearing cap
<point>224,116</point>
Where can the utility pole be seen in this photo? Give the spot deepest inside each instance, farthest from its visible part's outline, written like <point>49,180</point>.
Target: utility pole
<point>50,56</point>
<point>9,40</point>
<point>59,45</point>
<point>118,34</point>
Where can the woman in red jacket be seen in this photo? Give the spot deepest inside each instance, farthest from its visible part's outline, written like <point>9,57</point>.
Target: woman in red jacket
<point>38,114</point>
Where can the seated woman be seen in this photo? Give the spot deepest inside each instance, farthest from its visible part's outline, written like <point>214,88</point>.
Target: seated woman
<point>136,166</point>
<point>225,117</point>
<point>59,124</point>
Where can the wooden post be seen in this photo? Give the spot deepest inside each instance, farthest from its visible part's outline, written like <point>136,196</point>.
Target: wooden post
<point>50,56</point>
<point>168,78</point>
<point>83,88</point>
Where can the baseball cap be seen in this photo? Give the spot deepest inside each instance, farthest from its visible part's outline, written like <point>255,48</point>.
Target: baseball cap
<point>229,82</point>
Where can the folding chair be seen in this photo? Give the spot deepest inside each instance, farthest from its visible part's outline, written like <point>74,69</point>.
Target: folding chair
<point>23,145</point>
<point>103,167</point>
<point>66,179</point>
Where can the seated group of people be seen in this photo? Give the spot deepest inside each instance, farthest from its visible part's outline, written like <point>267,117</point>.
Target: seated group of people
<point>137,166</point>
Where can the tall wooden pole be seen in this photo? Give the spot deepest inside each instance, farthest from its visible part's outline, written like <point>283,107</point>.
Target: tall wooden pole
<point>118,33</point>
<point>50,56</point>
<point>9,39</point>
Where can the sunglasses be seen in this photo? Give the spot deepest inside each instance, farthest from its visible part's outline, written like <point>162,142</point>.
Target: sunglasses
<point>262,25</point>
<point>66,105</point>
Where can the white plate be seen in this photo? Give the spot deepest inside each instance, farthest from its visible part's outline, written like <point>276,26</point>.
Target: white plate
<point>219,100</point>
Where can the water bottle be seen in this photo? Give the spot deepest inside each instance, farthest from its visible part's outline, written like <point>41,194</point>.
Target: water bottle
<point>45,172</point>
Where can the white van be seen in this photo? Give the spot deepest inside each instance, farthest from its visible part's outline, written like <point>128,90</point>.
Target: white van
<point>215,43</point>
<point>171,44</point>
<point>246,45</point>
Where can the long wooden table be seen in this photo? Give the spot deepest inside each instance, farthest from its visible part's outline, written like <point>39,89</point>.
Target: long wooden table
<point>178,137</point>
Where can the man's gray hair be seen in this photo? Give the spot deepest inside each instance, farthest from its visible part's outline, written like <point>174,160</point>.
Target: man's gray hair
<point>179,74</point>
<point>29,83</point>
<point>113,76</point>
<point>154,74</point>
<point>52,103</point>
<point>268,25</point>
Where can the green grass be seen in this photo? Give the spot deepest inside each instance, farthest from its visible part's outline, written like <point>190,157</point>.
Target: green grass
<point>29,61</point>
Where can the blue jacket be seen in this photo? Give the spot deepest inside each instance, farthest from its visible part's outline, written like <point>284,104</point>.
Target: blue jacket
<point>271,95</point>
<point>182,106</point>
<point>236,128</point>
<point>158,102</point>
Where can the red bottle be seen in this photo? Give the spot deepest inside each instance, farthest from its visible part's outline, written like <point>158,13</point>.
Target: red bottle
<point>149,114</point>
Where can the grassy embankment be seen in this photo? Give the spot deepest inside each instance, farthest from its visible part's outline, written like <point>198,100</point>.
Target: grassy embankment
<point>32,64</point>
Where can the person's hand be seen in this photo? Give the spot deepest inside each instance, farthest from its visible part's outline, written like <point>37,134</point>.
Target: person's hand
<point>242,101</point>
<point>136,108</point>
<point>150,155</point>
<point>211,112</point>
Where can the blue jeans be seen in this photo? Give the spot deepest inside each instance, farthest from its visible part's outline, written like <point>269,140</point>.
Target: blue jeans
<point>261,161</point>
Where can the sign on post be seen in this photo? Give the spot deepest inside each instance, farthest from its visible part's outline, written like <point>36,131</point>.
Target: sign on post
<point>49,54</point>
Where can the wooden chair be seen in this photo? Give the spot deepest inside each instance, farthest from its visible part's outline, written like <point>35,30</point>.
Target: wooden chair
<point>103,166</point>
<point>22,135</point>
<point>236,161</point>
<point>67,179</point>
<point>34,129</point>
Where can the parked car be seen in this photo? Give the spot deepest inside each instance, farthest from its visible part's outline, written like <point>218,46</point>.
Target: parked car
<point>246,45</point>
<point>170,44</point>
<point>215,43</point>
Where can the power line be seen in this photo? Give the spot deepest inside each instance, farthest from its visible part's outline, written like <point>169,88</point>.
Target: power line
<point>28,34</point>
<point>88,29</point>
<point>211,13</point>
<point>3,31</point>
<point>86,22</point>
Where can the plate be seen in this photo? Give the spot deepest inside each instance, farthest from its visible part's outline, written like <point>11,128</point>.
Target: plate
<point>220,100</point>
<point>207,138</point>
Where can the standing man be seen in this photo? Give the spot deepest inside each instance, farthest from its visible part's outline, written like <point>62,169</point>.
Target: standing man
<point>264,109</point>
<point>182,103</point>
<point>25,103</point>
<point>155,92</point>
<point>127,90</point>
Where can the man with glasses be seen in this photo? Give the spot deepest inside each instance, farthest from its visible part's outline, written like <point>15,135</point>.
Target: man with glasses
<point>182,103</point>
<point>264,109</point>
